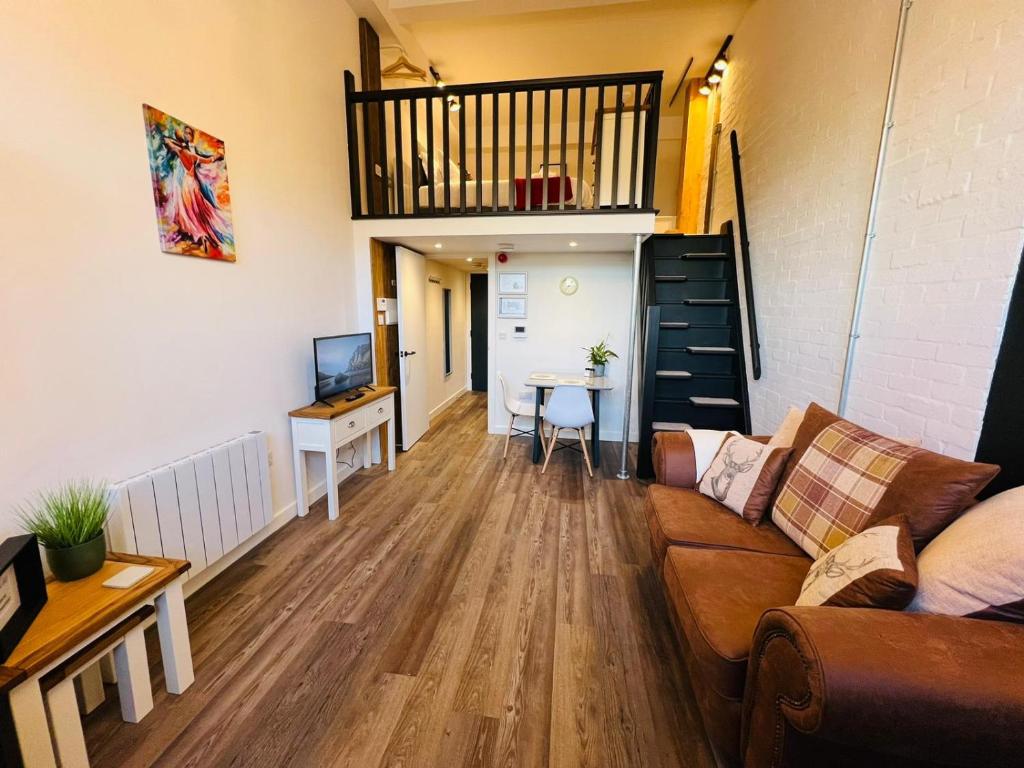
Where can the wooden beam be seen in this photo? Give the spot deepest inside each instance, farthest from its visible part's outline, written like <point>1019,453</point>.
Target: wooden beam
<point>691,163</point>
<point>383,277</point>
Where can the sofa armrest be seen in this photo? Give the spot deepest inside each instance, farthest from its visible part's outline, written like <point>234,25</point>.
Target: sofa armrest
<point>913,686</point>
<point>675,463</point>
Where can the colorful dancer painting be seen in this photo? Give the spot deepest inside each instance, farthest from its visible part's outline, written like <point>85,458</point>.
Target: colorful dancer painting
<point>190,188</point>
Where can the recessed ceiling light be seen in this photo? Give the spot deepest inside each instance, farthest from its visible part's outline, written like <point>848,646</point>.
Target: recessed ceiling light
<point>438,246</point>
<point>573,243</point>
<point>469,258</point>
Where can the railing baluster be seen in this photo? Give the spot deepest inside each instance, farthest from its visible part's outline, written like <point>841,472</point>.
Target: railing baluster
<point>429,104</point>
<point>399,169</point>
<point>353,144</point>
<point>462,154</point>
<point>633,163</point>
<point>616,145</point>
<point>495,104</point>
<point>580,147</point>
<point>382,141</point>
<point>414,154</point>
<point>446,155</point>
<point>512,150</point>
<point>562,169</point>
<point>547,147</point>
<point>529,150</point>
<point>598,141</point>
<point>651,143</point>
<point>479,153</point>
<point>371,207</point>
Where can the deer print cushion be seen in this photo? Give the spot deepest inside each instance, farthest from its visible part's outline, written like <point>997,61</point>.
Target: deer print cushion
<point>874,569</point>
<point>743,476</point>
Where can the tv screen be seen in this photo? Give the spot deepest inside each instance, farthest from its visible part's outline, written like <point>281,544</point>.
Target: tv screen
<point>342,363</point>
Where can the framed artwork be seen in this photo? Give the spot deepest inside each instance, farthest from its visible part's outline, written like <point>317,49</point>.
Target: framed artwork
<point>512,307</point>
<point>190,188</point>
<point>512,282</point>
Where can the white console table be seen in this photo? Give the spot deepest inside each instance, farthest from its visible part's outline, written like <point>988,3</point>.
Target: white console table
<point>325,428</point>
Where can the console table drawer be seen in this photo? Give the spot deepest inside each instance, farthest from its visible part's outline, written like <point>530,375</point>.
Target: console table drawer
<point>379,412</point>
<point>347,425</point>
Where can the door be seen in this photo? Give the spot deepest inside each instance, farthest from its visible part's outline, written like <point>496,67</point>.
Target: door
<point>478,332</point>
<point>411,273</point>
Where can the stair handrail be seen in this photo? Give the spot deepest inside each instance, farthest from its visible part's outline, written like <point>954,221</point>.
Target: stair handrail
<point>748,287</point>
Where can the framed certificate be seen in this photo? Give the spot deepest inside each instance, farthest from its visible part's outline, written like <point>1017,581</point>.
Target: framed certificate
<point>512,282</point>
<point>512,307</point>
<point>22,590</point>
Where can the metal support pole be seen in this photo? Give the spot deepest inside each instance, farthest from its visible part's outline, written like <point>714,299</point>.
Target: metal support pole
<point>876,188</point>
<point>631,358</point>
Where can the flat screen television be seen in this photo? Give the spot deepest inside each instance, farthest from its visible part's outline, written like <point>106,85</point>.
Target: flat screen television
<point>342,363</point>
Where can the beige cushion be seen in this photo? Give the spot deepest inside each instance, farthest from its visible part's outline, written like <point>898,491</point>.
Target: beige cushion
<point>874,569</point>
<point>743,476</point>
<point>706,443</point>
<point>786,433</point>
<point>976,566</point>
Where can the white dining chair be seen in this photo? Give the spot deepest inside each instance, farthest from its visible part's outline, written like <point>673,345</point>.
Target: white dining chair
<point>519,407</point>
<point>568,408</point>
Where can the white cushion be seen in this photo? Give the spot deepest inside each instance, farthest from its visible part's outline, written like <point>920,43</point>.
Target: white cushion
<point>706,443</point>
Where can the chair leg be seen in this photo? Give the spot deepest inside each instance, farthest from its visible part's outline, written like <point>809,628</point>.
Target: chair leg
<point>586,456</point>
<point>551,448</point>
<point>508,435</point>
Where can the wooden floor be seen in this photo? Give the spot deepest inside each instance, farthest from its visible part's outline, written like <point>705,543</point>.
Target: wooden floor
<point>463,611</point>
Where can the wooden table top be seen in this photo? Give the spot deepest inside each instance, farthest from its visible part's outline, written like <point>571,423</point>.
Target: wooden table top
<point>75,610</point>
<point>339,406</point>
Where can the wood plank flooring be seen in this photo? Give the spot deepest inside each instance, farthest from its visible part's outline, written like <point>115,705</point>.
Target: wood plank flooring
<point>464,611</point>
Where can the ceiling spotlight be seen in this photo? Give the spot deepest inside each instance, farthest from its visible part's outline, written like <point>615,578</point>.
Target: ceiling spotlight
<point>714,78</point>
<point>454,106</point>
<point>704,90</point>
<point>438,81</point>
<point>721,64</point>
<point>438,246</point>
<point>469,258</point>
<point>573,243</point>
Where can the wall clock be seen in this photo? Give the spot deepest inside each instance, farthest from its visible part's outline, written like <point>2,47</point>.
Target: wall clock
<point>568,285</point>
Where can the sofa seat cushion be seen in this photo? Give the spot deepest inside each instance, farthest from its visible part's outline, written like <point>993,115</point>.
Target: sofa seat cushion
<point>718,597</point>
<point>680,516</point>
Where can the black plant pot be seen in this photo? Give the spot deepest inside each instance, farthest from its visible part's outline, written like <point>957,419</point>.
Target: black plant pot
<point>79,561</point>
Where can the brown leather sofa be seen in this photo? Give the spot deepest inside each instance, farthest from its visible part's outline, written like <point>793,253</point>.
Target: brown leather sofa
<point>779,685</point>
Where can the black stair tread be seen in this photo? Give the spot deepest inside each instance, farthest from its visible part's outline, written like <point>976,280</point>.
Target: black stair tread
<point>708,256</point>
<point>711,350</point>
<point>714,402</point>
<point>669,426</point>
<point>672,324</point>
<point>674,374</point>
<point>707,302</point>
<point>671,278</point>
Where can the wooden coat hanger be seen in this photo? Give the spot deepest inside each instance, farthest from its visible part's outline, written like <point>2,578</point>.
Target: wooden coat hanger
<point>404,69</point>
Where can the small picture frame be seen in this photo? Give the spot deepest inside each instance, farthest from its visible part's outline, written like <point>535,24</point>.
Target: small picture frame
<point>512,307</point>
<point>512,283</point>
<point>22,590</point>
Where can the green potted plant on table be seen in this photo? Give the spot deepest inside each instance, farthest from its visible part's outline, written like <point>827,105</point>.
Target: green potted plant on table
<point>69,524</point>
<point>598,356</point>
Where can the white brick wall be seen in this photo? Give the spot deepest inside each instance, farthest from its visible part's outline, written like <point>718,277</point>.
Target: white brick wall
<point>806,93</point>
<point>950,225</point>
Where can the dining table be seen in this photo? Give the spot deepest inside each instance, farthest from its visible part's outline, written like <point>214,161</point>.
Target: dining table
<point>543,381</point>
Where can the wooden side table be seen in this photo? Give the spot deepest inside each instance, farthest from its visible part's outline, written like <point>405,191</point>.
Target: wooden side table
<point>82,621</point>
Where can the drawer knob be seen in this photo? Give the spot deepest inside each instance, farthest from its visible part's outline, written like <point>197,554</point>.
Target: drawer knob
<point>351,425</point>
<point>380,410</point>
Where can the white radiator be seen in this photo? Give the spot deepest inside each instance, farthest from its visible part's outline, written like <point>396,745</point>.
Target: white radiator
<point>198,508</point>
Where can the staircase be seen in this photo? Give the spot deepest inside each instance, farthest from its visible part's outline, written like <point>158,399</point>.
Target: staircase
<point>693,371</point>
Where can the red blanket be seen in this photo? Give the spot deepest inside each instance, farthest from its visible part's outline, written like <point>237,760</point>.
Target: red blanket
<point>556,185</point>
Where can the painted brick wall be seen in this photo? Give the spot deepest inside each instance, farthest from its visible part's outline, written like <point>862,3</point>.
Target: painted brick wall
<point>806,93</point>
<point>951,220</point>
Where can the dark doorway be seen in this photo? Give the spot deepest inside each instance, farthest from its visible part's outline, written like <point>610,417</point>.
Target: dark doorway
<point>1004,417</point>
<point>478,332</point>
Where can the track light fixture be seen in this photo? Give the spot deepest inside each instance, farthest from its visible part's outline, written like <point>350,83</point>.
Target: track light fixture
<point>438,80</point>
<point>704,90</point>
<point>721,63</point>
<point>718,66</point>
<point>714,78</point>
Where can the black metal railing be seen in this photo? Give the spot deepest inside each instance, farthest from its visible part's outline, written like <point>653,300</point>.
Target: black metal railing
<point>461,150</point>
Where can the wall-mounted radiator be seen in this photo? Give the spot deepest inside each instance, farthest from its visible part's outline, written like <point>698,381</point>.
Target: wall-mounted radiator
<point>198,508</point>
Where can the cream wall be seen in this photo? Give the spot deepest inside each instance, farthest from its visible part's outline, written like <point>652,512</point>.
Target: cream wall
<point>950,226</point>
<point>805,92</point>
<point>559,326</point>
<point>118,357</point>
<point>443,388</point>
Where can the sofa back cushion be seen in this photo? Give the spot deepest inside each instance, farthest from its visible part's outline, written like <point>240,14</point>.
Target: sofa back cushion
<point>976,566</point>
<point>841,478</point>
<point>743,476</point>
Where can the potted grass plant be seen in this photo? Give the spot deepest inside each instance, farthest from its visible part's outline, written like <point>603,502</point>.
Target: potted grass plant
<point>598,356</point>
<point>68,522</point>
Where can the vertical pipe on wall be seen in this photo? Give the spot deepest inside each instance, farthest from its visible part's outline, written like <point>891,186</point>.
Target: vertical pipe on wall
<point>869,232</point>
<point>630,359</point>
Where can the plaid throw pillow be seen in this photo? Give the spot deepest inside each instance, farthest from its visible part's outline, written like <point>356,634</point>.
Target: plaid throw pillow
<point>833,490</point>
